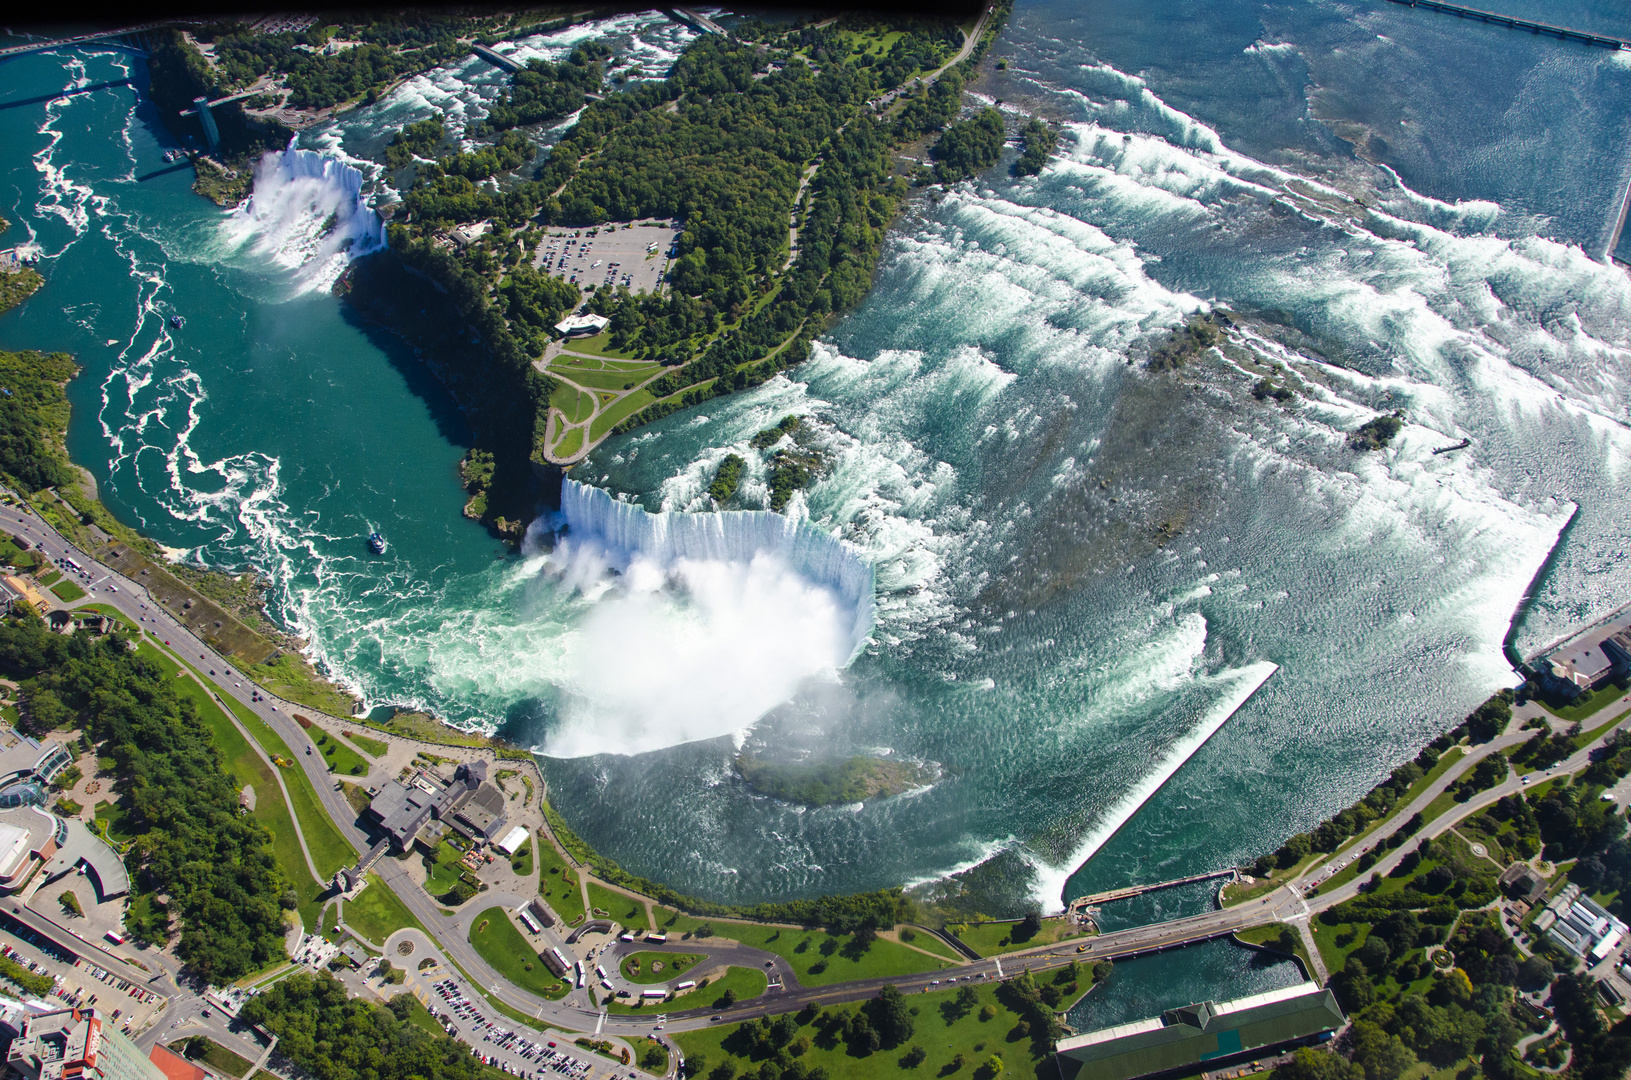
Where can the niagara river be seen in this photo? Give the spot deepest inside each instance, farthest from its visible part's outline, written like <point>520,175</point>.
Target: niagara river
<point>1137,624</point>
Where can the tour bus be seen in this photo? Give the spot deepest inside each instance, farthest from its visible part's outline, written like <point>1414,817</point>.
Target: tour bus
<point>688,984</point>
<point>654,993</point>
<point>607,983</point>
<point>657,937</point>
<point>578,968</point>
<point>625,937</point>
<point>526,918</point>
<point>115,937</point>
<point>600,971</point>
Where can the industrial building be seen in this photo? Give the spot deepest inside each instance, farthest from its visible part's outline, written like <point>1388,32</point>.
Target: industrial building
<point>1202,1037</point>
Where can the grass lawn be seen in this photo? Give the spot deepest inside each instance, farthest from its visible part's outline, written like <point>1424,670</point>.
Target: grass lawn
<point>442,871</point>
<point>637,967</point>
<point>113,816</point>
<point>625,909</point>
<point>329,850</point>
<point>597,346</point>
<point>51,578</point>
<point>926,941</point>
<point>249,768</point>
<point>620,379</point>
<point>1586,705</point>
<point>818,958</point>
<point>340,757</point>
<point>650,1055</point>
<point>616,414</point>
<point>67,592</point>
<point>993,939</point>
<point>558,883</point>
<point>221,1059</point>
<point>1586,738</point>
<point>291,678</point>
<point>943,1033</point>
<point>573,403</point>
<point>513,956</point>
<point>745,983</point>
<point>372,747</point>
<point>521,863</point>
<point>570,443</point>
<point>1273,936</point>
<point>376,913</point>
<point>420,1017</point>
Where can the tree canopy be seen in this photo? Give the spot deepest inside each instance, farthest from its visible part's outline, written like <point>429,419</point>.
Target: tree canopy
<point>192,844</point>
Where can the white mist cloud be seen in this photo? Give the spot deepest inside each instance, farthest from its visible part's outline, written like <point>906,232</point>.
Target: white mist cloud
<point>693,650</point>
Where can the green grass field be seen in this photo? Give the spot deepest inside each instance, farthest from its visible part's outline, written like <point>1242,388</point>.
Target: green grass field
<point>625,909</point>
<point>50,578</point>
<point>619,412</point>
<point>1587,705</point>
<point>557,883</point>
<point>67,592</point>
<point>637,967</point>
<point>248,767</point>
<point>420,1017</point>
<point>819,958</point>
<point>926,941</point>
<point>513,956</point>
<point>596,346</point>
<point>941,1029</point>
<point>745,983</point>
<point>994,939</point>
<point>570,443</point>
<point>114,817</point>
<point>329,850</point>
<point>444,870</point>
<point>376,913</point>
<point>222,1060</point>
<point>572,402</point>
<point>372,747</point>
<point>340,757</point>
<point>617,379</point>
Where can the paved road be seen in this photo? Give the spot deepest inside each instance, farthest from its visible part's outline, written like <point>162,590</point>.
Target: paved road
<point>1285,904</point>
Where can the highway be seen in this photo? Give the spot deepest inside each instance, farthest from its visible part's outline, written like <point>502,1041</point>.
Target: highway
<point>1284,904</point>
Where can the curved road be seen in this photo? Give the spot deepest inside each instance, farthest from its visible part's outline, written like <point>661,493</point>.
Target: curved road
<point>1284,904</point>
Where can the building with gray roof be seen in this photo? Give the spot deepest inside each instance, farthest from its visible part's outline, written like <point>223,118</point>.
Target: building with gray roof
<point>1202,1037</point>
<point>467,803</point>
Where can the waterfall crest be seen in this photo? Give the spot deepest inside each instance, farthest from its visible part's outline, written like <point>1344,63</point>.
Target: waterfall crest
<point>628,532</point>
<point>307,214</point>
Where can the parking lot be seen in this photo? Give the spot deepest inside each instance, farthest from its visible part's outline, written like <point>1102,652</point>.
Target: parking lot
<point>635,255</point>
<point>79,982</point>
<point>509,1051</point>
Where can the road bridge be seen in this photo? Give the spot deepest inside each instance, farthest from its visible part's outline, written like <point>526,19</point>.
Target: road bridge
<point>130,38</point>
<point>1564,33</point>
<point>1129,891</point>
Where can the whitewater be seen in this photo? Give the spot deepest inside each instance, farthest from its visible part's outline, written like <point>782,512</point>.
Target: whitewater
<point>1138,625</point>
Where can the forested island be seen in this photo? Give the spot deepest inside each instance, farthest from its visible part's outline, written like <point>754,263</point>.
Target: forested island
<point>781,152</point>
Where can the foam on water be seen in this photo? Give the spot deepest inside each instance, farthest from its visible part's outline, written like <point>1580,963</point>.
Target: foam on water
<point>784,601</point>
<point>307,215</point>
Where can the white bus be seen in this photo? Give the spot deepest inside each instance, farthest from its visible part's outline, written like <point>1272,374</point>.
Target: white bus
<point>688,984</point>
<point>654,993</point>
<point>600,971</point>
<point>657,937</point>
<point>115,937</point>
<point>578,967</point>
<point>526,918</point>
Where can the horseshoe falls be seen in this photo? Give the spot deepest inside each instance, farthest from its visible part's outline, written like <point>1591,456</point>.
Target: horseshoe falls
<point>1139,624</point>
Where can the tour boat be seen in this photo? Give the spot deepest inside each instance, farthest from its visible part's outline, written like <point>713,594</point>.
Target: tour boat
<point>376,543</point>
